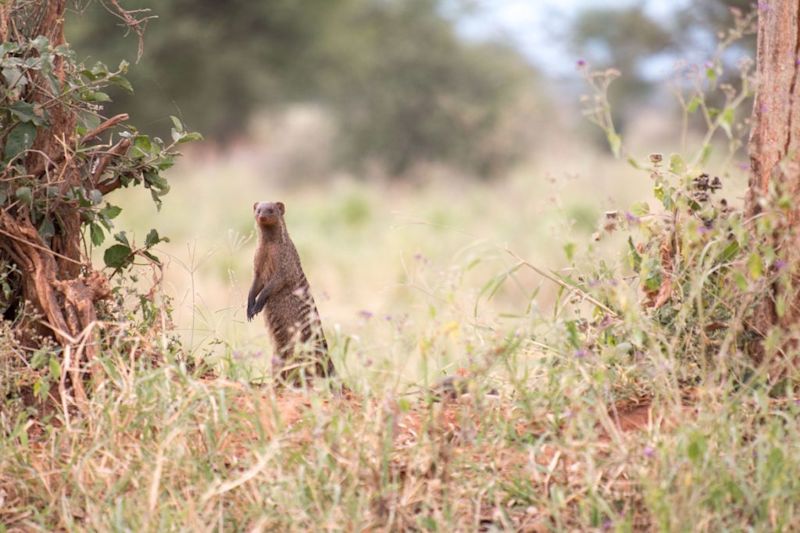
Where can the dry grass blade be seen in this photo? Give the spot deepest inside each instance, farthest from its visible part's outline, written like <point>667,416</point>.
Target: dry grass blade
<point>555,279</point>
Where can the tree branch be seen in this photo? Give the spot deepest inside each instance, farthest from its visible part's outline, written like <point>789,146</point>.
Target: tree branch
<point>110,123</point>
<point>115,151</point>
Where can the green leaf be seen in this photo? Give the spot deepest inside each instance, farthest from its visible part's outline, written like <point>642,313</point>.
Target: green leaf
<point>615,142</point>
<point>20,139</point>
<point>100,70</point>
<point>152,239</point>
<point>726,121</point>
<point>190,137</point>
<point>7,47</point>
<point>754,266</point>
<point>96,96</point>
<point>95,196</point>
<point>157,184</point>
<point>676,164</point>
<point>143,145</point>
<point>24,194</point>
<point>111,211</point>
<point>569,250</point>
<point>97,234</point>
<point>41,43</point>
<point>118,256</point>
<point>40,358</point>
<point>152,257</point>
<point>177,123</point>
<point>653,280</point>
<point>693,104</point>
<point>25,112</point>
<point>697,448</point>
<point>572,334</point>
<point>55,368</point>
<point>122,238</point>
<point>707,148</point>
<point>121,81</point>
<point>41,388</point>
<point>46,229</point>
<point>640,209</point>
<point>729,252</point>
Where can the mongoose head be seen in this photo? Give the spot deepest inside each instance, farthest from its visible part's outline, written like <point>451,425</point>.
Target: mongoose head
<point>268,213</point>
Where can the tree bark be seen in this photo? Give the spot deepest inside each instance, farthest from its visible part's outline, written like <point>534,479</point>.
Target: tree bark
<point>775,134</point>
<point>775,150</point>
<point>57,281</point>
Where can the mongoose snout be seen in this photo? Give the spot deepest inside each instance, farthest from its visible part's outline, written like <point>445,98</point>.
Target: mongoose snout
<point>267,213</point>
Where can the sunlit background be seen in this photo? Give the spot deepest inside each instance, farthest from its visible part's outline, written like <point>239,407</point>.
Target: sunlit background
<point>419,145</point>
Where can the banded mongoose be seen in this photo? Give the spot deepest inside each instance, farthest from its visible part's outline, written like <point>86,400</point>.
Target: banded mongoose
<point>281,289</point>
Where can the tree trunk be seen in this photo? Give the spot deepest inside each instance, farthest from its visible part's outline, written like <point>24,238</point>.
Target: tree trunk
<point>775,135</point>
<point>57,282</point>
<point>775,149</point>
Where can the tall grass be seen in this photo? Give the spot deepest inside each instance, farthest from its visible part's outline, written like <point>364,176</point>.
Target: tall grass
<point>592,399</point>
<point>412,284</point>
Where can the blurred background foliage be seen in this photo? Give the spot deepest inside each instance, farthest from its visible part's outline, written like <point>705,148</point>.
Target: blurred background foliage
<point>647,43</point>
<point>384,87</point>
<point>398,82</point>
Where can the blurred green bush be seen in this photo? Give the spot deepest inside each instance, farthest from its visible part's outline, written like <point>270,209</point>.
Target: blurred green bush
<point>402,86</point>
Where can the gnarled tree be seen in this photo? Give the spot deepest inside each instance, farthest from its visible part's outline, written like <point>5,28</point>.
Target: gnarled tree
<point>60,157</point>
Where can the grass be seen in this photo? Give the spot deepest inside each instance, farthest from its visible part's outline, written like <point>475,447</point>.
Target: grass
<point>412,283</point>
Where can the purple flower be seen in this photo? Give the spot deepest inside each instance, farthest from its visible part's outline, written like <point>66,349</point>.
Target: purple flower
<point>631,218</point>
<point>649,452</point>
<point>580,354</point>
<point>581,63</point>
<point>763,6</point>
<point>709,64</point>
<point>780,264</point>
<point>744,166</point>
<point>366,315</point>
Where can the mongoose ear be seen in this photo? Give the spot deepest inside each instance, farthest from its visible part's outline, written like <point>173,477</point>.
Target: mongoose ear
<point>255,206</point>
<point>281,207</point>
